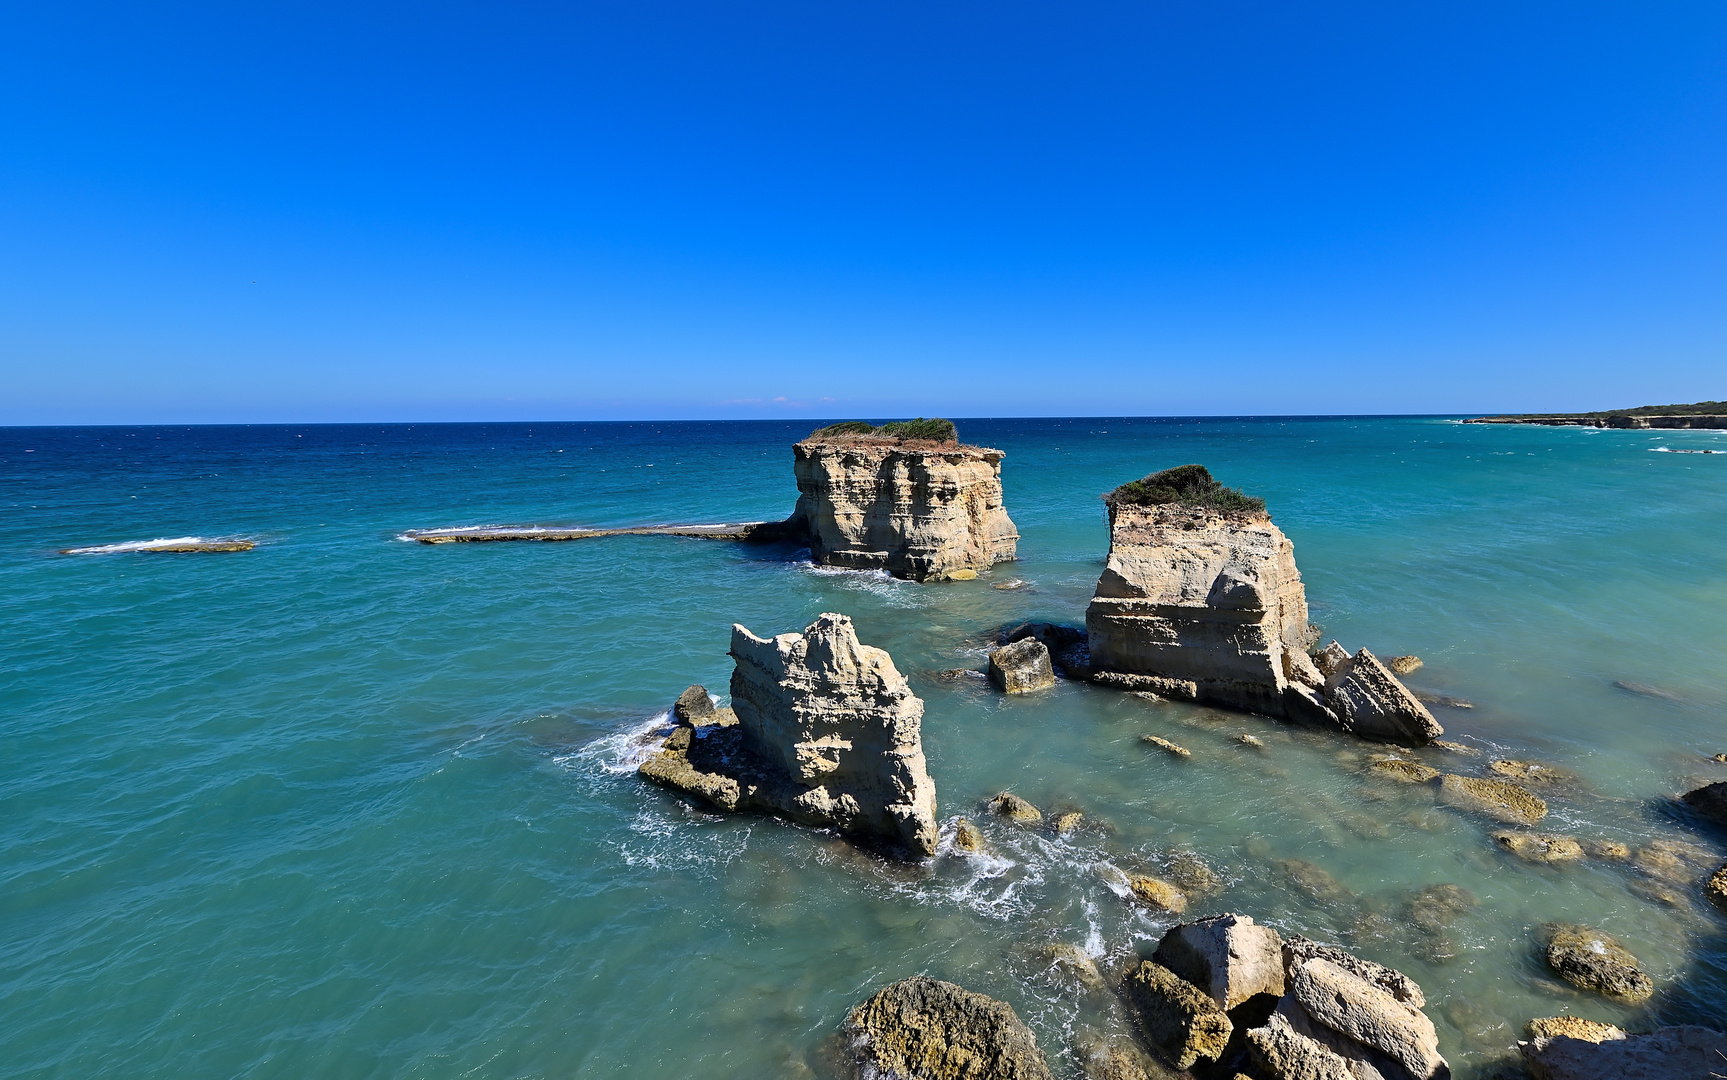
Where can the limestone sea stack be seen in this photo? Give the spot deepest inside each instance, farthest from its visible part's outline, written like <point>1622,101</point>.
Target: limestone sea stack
<point>1201,600</point>
<point>822,729</point>
<point>908,499</point>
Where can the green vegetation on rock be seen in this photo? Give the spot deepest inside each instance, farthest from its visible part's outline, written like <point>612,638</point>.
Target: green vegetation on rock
<point>933,429</point>
<point>1185,485</point>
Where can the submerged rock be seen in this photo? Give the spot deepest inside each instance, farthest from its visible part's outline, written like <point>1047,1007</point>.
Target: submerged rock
<point>1229,957</point>
<point>1534,773</point>
<point>1606,849</point>
<point>1716,889</point>
<point>1590,960</point>
<point>1193,876</point>
<point>827,733</point>
<point>1438,906</point>
<point>1251,741</point>
<point>1540,847</point>
<point>1015,809</point>
<point>1021,667</point>
<point>1496,798</point>
<point>1409,772</point>
<point>926,1029</point>
<point>1313,880</point>
<point>1673,861</point>
<point>1166,746</point>
<point>1205,599</point>
<point>1582,1050</point>
<point>1182,1024</point>
<point>1073,960</point>
<point>1066,823</point>
<point>923,512</point>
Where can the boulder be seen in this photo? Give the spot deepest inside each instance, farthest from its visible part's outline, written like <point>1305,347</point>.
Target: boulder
<point>826,733</point>
<point>1300,670</point>
<point>1591,960</point>
<point>1497,799</point>
<point>1021,667</point>
<point>1282,1053</point>
<point>918,512</point>
<point>1572,1027</point>
<point>1404,665</point>
<point>1330,658</point>
<point>1367,1014</point>
<point>1709,801</point>
<point>1370,702</point>
<point>1606,849</point>
<point>1015,809</point>
<point>1228,956</point>
<point>1066,823</point>
<point>1197,596</point>
<point>1670,1053</point>
<point>1540,847</point>
<point>694,707</point>
<point>1299,950</point>
<point>1716,889</point>
<point>926,1029</point>
<point>1177,1020</point>
<point>1158,893</point>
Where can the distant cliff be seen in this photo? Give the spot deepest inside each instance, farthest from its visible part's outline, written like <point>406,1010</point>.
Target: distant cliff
<point>919,508</point>
<point>1701,414</point>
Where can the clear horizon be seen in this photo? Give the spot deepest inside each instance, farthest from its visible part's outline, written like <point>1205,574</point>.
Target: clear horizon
<point>399,215</point>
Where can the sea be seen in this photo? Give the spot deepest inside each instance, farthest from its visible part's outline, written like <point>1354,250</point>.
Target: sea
<point>347,805</point>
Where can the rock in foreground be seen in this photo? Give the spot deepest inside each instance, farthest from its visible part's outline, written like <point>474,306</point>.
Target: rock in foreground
<point>1565,1049</point>
<point>1179,1021</point>
<point>919,510</point>
<point>926,1029</point>
<point>827,733</point>
<point>1710,801</point>
<point>1590,960</point>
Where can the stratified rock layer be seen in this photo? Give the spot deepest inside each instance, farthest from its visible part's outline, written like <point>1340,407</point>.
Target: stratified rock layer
<point>920,513</point>
<point>825,732</point>
<point>1199,599</point>
<point>926,1029</point>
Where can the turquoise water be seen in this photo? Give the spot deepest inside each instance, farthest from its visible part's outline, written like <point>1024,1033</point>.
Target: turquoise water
<point>349,806</point>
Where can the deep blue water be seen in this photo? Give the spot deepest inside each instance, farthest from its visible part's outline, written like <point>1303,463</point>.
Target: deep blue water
<point>345,805</point>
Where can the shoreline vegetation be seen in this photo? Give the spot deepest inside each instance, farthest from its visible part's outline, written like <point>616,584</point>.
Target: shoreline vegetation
<point>1701,414</point>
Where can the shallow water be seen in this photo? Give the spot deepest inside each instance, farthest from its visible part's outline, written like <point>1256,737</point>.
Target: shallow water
<point>345,805</point>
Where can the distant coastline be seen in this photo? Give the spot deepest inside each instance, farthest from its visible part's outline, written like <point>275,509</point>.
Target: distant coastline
<point>1702,414</point>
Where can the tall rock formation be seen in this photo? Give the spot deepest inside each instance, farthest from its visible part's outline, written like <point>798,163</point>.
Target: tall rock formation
<point>822,729</point>
<point>1200,598</point>
<point>923,510</point>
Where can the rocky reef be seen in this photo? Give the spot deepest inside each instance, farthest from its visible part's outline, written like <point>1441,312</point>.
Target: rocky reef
<point>920,509</point>
<point>1201,600</point>
<point>822,729</point>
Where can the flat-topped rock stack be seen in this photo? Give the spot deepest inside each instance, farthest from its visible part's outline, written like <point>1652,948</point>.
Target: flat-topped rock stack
<point>822,729</point>
<point>1201,600</point>
<point>924,509</point>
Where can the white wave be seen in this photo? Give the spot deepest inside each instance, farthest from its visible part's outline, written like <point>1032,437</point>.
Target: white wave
<point>149,545</point>
<point>621,752</point>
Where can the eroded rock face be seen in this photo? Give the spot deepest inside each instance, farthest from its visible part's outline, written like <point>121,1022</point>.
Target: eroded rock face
<point>1180,1022</point>
<point>1370,702</point>
<point>1194,597</point>
<point>918,513</point>
<point>1671,1053</point>
<point>822,729</point>
<point>926,1029</point>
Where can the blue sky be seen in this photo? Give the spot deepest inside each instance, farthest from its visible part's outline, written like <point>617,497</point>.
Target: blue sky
<point>272,212</point>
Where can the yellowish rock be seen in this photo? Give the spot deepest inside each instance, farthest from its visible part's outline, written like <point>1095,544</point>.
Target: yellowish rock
<point>967,839</point>
<point>1403,665</point>
<point>1015,809</point>
<point>1606,849</point>
<point>1540,847</point>
<point>1573,1027</point>
<point>1250,741</point>
<point>1166,746</point>
<point>1496,798</point>
<point>1716,889</point>
<point>1409,772</point>
<point>1066,823</point>
<point>1157,893</point>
